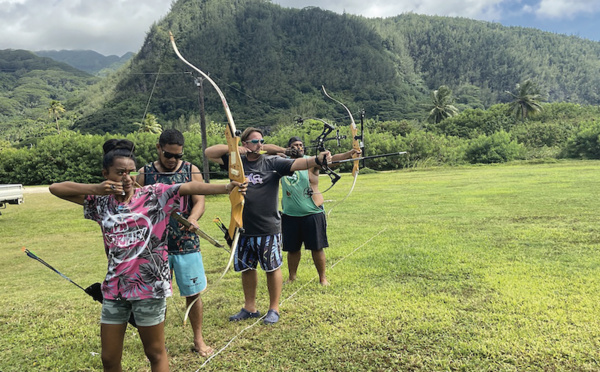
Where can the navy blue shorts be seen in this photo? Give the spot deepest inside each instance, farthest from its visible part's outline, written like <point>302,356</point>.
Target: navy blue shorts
<point>310,230</point>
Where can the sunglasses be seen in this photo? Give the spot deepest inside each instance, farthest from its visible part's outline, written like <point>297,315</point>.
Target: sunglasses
<point>255,141</point>
<point>170,155</point>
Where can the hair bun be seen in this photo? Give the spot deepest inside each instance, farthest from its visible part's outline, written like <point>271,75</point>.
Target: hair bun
<point>117,144</point>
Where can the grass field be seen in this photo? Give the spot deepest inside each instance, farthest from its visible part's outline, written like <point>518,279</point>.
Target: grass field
<point>491,268</point>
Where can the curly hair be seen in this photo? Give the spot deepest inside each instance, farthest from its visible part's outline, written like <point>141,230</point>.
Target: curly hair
<point>171,137</point>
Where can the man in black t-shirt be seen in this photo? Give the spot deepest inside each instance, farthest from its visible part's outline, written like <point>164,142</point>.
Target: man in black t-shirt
<point>260,242</point>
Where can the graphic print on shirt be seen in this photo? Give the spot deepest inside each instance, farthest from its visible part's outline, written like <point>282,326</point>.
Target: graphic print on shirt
<point>127,238</point>
<point>133,258</point>
<point>291,180</point>
<point>135,241</point>
<point>254,178</point>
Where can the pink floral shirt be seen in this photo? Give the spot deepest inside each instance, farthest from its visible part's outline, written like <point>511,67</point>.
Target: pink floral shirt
<point>135,240</point>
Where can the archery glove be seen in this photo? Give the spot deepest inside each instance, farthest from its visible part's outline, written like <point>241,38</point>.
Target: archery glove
<point>292,153</point>
<point>95,291</point>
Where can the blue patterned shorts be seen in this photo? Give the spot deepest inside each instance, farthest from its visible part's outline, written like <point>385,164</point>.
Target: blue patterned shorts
<point>252,250</point>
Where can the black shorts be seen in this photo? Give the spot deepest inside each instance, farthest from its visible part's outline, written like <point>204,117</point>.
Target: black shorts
<point>310,230</point>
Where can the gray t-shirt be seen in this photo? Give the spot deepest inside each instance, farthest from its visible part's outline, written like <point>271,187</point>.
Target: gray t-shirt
<point>261,212</point>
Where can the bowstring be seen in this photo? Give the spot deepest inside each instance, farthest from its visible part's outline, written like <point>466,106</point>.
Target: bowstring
<point>286,299</point>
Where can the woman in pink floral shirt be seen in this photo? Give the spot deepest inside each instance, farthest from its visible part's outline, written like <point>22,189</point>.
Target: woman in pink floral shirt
<point>134,226</point>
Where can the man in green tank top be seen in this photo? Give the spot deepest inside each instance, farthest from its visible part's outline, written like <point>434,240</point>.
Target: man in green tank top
<point>303,219</point>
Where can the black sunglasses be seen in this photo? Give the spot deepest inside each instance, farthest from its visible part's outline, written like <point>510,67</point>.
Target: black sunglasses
<point>170,155</point>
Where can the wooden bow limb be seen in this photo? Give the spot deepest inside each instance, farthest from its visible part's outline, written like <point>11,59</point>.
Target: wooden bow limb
<point>236,169</point>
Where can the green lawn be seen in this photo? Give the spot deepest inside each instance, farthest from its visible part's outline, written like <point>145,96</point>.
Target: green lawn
<point>484,268</point>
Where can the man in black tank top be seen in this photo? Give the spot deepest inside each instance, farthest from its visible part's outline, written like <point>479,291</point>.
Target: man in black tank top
<point>185,258</point>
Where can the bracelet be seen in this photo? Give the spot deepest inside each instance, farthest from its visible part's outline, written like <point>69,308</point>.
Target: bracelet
<point>226,188</point>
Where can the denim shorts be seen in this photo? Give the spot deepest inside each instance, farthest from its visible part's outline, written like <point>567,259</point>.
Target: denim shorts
<point>147,313</point>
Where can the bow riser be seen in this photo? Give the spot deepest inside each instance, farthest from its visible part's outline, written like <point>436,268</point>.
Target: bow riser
<point>236,173</point>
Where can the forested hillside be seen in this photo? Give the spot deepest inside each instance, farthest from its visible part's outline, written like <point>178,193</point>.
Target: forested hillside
<point>271,61</point>
<point>489,58</point>
<point>28,86</point>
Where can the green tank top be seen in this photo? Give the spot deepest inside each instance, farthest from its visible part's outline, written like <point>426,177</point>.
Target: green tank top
<point>296,200</point>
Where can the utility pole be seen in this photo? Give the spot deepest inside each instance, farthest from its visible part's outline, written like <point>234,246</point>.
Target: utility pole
<point>205,170</point>
<point>362,136</point>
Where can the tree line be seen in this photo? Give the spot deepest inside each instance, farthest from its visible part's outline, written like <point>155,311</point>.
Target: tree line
<point>560,130</point>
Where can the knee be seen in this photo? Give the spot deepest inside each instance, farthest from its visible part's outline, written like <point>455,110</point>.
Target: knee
<point>156,355</point>
<point>111,362</point>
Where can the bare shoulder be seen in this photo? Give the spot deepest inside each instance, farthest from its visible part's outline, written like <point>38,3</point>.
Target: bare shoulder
<point>196,174</point>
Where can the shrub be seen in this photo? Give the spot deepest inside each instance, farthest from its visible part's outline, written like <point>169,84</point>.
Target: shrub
<point>539,134</point>
<point>496,148</point>
<point>585,143</point>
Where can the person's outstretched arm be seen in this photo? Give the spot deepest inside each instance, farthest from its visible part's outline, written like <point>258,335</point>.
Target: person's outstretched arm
<point>201,188</point>
<point>76,192</point>
<point>273,149</point>
<point>313,161</point>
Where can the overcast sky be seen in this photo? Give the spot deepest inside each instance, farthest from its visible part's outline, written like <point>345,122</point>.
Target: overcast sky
<point>119,26</point>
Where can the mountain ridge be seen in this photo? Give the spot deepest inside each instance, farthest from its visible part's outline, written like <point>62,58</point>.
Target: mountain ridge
<point>89,61</point>
<point>271,63</point>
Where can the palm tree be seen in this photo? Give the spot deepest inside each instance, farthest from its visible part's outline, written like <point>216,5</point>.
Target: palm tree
<point>150,125</point>
<point>54,110</point>
<point>442,105</point>
<point>527,101</point>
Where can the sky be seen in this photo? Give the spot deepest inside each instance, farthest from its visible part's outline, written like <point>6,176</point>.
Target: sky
<point>120,26</point>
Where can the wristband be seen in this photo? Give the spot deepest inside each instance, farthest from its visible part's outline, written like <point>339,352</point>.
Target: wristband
<point>317,161</point>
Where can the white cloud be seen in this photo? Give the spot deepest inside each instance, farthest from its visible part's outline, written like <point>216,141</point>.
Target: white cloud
<point>105,26</point>
<point>559,9</point>
<point>119,26</point>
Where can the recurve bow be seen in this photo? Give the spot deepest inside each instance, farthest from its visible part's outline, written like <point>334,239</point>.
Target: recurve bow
<point>236,168</point>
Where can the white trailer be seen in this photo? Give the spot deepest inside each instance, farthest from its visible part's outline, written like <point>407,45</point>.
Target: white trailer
<point>10,194</point>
